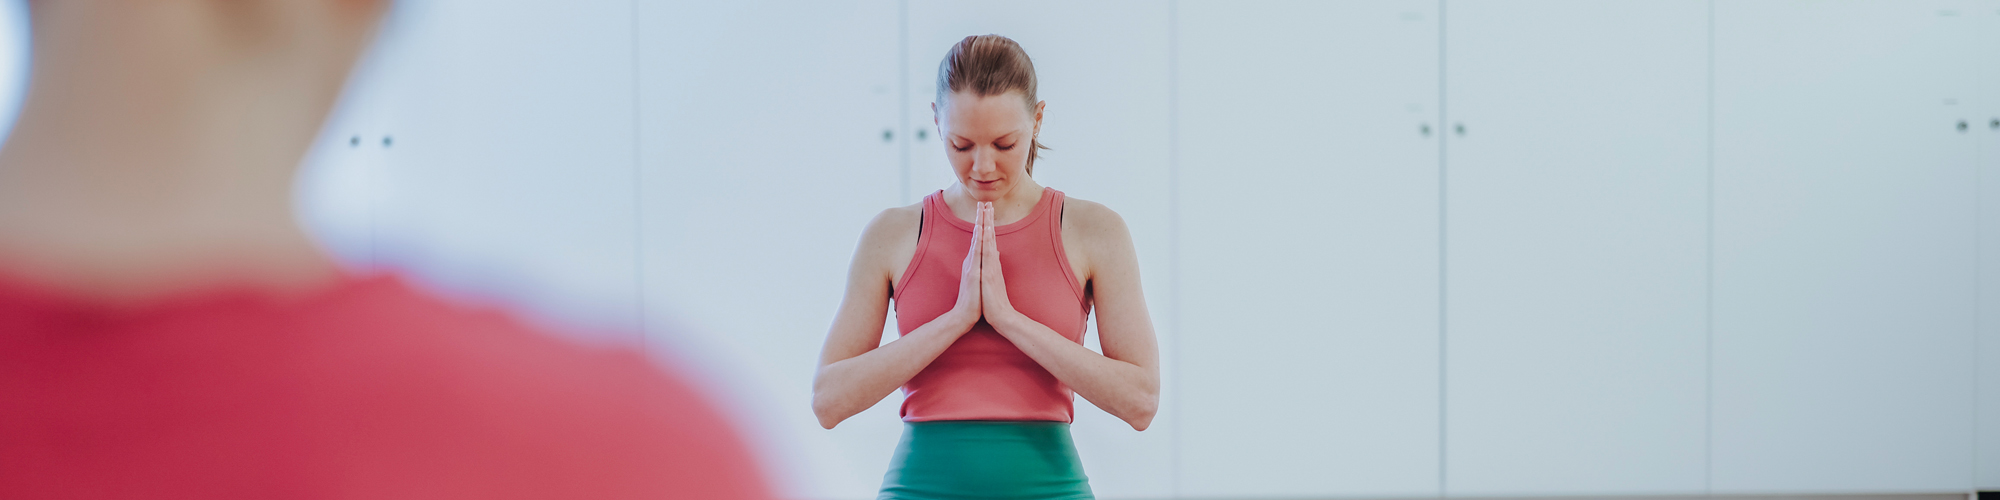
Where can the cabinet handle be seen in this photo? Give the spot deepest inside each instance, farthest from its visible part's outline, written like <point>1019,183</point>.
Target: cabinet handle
<point>1459,129</point>
<point>1426,129</point>
<point>1962,126</point>
<point>388,141</point>
<point>354,142</point>
<point>1995,124</point>
<point>888,135</point>
<point>921,135</point>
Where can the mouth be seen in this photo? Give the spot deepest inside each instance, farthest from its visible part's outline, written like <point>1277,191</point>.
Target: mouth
<point>985,184</point>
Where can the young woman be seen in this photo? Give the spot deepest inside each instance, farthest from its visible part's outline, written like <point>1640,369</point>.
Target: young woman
<point>993,279</point>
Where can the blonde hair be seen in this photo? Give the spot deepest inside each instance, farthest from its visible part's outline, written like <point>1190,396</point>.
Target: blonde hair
<point>988,65</point>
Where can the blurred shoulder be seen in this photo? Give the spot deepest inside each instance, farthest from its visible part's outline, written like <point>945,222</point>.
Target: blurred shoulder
<point>511,409</point>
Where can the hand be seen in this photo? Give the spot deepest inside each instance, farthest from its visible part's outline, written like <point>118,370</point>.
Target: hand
<point>992,283</point>
<point>969,300</point>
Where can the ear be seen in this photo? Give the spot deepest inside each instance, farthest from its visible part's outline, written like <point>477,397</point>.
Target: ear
<point>934,114</point>
<point>1039,106</point>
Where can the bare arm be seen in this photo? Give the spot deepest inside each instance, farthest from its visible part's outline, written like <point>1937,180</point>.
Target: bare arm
<point>854,373</point>
<point>1125,380</point>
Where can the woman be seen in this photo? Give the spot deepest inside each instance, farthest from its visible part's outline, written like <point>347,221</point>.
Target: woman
<point>991,343</point>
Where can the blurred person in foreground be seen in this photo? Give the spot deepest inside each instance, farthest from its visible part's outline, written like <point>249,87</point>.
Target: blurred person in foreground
<point>167,330</point>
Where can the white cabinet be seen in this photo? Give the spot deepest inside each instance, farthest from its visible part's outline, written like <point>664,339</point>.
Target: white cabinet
<point>14,53</point>
<point>768,139</point>
<point>1844,256</point>
<point>507,170</point>
<point>1308,248</point>
<point>1984,121</point>
<point>1103,69</point>
<point>340,178</point>
<point>336,182</point>
<point>1575,270</point>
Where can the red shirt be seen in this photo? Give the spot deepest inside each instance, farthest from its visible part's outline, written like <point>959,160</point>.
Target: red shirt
<point>983,376</point>
<point>367,390</point>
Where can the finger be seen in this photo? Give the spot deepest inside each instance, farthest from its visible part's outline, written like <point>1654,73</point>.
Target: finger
<point>989,248</point>
<point>976,229</point>
<point>992,239</point>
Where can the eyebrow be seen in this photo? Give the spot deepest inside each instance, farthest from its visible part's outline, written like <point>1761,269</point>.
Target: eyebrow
<point>955,137</point>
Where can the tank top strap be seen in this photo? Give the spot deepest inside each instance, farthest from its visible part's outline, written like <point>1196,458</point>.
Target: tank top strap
<point>934,211</point>
<point>934,208</point>
<point>1054,218</point>
<point>1054,212</point>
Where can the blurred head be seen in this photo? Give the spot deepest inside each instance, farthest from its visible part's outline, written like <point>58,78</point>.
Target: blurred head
<point>159,140</point>
<point>987,115</point>
<point>270,68</point>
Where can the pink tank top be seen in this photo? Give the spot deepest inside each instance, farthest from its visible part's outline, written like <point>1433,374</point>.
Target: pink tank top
<point>982,376</point>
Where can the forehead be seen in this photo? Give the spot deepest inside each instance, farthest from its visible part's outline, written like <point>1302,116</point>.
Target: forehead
<point>993,115</point>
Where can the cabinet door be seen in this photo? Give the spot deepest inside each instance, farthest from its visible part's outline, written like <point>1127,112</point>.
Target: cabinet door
<point>14,52</point>
<point>1103,69</point>
<point>1985,122</point>
<point>340,179</point>
<point>768,140</point>
<point>336,186</point>
<point>1308,243</point>
<point>1575,271</point>
<point>508,170</point>
<point>1844,255</point>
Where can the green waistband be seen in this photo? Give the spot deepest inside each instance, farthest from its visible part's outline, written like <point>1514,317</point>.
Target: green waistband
<point>983,459</point>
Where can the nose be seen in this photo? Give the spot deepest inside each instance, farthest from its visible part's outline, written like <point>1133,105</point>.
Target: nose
<point>984,162</point>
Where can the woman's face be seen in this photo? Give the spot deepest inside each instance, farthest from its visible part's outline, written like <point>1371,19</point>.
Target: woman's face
<point>988,140</point>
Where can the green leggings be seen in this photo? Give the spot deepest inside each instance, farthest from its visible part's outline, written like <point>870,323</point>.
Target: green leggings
<point>980,459</point>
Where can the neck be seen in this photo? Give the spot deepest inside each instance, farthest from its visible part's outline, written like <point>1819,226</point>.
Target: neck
<point>1016,204</point>
<point>145,161</point>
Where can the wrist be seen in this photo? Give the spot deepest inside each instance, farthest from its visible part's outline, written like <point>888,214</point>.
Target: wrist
<point>1005,322</point>
<point>961,319</point>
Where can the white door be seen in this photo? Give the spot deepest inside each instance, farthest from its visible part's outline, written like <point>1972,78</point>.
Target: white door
<point>1308,248</point>
<point>1103,69</point>
<point>1984,121</point>
<point>768,138</point>
<point>508,168</point>
<point>1575,275</point>
<point>1844,255</point>
<point>336,185</point>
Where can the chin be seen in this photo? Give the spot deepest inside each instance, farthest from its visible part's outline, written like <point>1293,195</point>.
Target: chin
<point>985,193</point>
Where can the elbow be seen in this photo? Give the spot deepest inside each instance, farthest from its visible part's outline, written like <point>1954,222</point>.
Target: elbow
<point>1140,422</point>
<point>824,411</point>
<point>827,419</point>
<point>1140,416</point>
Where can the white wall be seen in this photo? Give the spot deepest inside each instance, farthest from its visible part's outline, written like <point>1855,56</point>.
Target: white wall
<point>1679,247</point>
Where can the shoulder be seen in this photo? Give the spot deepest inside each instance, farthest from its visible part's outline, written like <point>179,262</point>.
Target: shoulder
<point>889,235</point>
<point>1093,222</point>
<point>478,393</point>
<point>894,221</point>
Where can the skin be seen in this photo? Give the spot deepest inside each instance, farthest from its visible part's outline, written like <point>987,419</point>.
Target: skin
<point>986,139</point>
<point>157,146</point>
